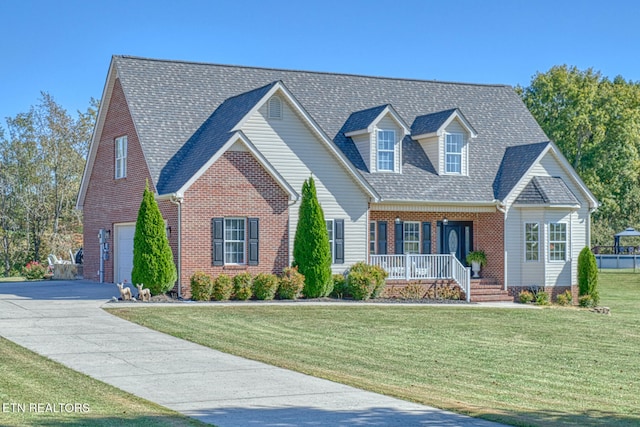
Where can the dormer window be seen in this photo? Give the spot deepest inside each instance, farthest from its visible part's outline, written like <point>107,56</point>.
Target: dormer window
<point>275,108</point>
<point>453,152</point>
<point>386,150</point>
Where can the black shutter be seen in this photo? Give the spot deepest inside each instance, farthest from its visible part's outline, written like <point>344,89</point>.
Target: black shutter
<point>253,240</point>
<point>382,238</point>
<point>399,238</point>
<point>217,246</point>
<point>426,237</point>
<point>338,241</point>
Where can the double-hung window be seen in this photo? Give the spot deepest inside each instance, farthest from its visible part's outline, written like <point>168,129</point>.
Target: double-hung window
<point>372,238</point>
<point>386,150</point>
<point>411,237</point>
<point>234,240</point>
<point>531,241</point>
<point>557,241</point>
<point>329,224</point>
<point>453,152</point>
<point>121,157</point>
<point>335,232</point>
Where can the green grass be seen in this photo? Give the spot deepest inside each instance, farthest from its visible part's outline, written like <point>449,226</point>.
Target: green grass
<point>12,279</point>
<point>27,378</point>
<point>554,366</point>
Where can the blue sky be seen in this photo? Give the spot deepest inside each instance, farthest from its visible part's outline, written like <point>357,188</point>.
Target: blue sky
<point>64,47</point>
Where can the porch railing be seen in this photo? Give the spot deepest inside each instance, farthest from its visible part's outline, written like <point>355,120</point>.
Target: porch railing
<point>425,267</point>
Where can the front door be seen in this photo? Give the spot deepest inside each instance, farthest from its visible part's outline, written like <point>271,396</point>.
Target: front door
<point>457,238</point>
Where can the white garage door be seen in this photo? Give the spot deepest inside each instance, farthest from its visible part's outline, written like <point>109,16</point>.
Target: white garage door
<point>123,252</point>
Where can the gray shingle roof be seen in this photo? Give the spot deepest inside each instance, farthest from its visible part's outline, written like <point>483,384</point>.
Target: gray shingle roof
<point>170,100</point>
<point>516,161</point>
<point>430,123</point>
<point>546,190</point>
<point>207,140</point>
<point>361,119</point>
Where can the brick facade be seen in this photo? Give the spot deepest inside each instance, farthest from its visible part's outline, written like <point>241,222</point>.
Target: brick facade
<point>236,185</point>
<point>488,234</point>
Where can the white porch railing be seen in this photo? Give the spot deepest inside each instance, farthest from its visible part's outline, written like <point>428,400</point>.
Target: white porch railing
<point>425,267</point>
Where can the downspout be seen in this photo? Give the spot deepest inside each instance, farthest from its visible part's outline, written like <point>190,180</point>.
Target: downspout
<point>501,207</point>
<point>177,200</point>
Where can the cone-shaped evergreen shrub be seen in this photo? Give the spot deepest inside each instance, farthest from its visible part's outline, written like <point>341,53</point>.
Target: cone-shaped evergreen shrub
<point>311,252</point>
<point>152,257</point>
<point>588,275</point>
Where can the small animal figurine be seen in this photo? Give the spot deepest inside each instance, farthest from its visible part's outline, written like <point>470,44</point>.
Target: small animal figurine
<point>143,294</point>
<point>125,293</point>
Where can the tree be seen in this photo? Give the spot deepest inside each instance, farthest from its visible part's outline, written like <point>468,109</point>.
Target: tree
<point>596,124</point>
<point>152,257</point>
<point>311,252</point>
<point>588,275</point>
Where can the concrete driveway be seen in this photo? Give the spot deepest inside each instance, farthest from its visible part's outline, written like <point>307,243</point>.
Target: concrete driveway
<point>64,321</point>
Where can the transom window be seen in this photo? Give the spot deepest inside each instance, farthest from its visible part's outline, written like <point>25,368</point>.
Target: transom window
<point>234,240</point>
<point>557,241</point>
<point>386,150</point>
<point>453,152</point>
<point>411,237</point>
<point>121,157</point>
<point>532,241</point>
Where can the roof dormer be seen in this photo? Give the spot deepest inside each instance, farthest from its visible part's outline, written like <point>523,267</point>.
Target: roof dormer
<point>444,137</point>
<point>378,133</point>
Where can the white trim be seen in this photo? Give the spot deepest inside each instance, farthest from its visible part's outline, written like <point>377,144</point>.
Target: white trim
<point>375,236</point>
<point>125,147</point>
<point>544,205</point>
<point>386,150</point>
<point>404,233</point>
<point>240,136</point>
<point>524,241</point>
<point>357,132</point>
<point>332,240</point>
<point>279,86</point>
<point>388,109</point>
<point>567,238</point>
<point>454,115</point>
<point>114,252</point>
<point>433,206</point>
<point>224,240</point>
<point>462,153</point>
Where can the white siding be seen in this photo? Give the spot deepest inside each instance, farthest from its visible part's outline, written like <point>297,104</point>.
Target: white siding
<point>431,147</point>
<point>296,153</point>
<point>364,144</point>
<point>388,123</point>
<point>554,273</point>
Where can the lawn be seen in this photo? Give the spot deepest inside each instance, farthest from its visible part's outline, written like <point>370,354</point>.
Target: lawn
<point>28,379</point>
<point>555,366</point>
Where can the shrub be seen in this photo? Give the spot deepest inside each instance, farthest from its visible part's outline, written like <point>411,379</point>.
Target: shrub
<point>340,288</point>
<point>311,252</point>
<point>376,273</point>
<point>588,275</point>
<point>201,283</point>
<point>525,297</point>
<point>565,298</point>
<point>152,257</point>
<point>291,284</point>
<point>265,286</point>
<point>361,285</point>
<point>413,291</point>
<point>34,271</point>
<point>222,288</point>
<point>542,298</point>
<point>242,286</point>
<point>586,301</point>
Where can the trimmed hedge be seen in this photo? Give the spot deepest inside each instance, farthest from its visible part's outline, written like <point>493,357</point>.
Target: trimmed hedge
<point>222,288</point>
<point>242,286</point>
<point>365,281</point>
<point>265,286</point>
<point>201,284</point>
<point>291,284</point>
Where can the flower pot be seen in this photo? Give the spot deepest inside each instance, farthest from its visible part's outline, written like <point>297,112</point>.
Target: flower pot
<point>475,267</point>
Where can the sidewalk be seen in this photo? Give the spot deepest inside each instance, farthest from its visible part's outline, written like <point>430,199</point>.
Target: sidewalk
<point>64,321</point>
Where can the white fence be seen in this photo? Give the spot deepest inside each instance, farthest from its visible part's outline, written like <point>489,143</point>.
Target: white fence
<point>425,267</point>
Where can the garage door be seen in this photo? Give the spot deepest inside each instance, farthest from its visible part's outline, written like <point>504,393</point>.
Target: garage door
<point>123,252</point>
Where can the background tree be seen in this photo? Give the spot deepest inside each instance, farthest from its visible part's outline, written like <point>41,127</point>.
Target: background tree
<point>596,124</point>
<point>42,157</point>
<point>311,252</point>
<point>152,257</point>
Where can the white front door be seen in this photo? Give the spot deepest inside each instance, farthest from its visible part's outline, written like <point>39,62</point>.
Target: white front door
<point>123,252</point>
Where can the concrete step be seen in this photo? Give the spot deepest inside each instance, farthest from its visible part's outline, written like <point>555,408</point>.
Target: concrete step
<point>491,298</point>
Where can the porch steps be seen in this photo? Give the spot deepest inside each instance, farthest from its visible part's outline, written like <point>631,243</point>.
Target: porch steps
<point>488,290</point>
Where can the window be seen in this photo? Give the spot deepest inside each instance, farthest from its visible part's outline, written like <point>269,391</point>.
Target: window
<point>411,237</point>
<point>453,152</point>
<point>234,240</point>
<point>329,223</point>
<point>372,238</point>
<point>531,241</point>
<point>275,108</point>
<point>121,157</point>
<point>386,150</point>
<point>557,241</point>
